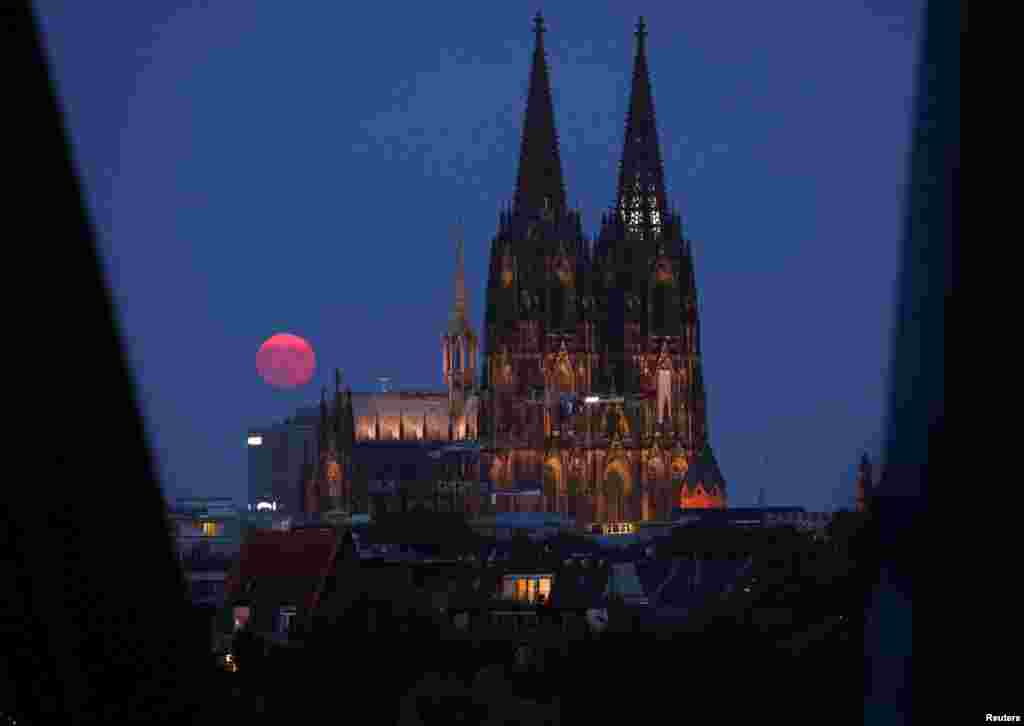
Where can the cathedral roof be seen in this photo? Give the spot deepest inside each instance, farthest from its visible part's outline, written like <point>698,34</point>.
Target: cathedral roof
<point>405,460</point>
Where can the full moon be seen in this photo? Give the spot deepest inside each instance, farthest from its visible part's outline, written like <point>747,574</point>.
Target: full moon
<point>286,361</point>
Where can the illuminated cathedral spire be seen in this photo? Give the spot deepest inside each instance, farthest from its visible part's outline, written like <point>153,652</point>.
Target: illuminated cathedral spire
<point>641,194</point>
<point>459,343</point>
<point>458,321</point>
<point>539,185</point>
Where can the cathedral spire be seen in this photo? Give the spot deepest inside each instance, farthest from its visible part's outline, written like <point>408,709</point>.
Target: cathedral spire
<point>457,320</point>
<point>641,194</point>
<point>539,185</point>
<point>350,420</point>
<point>340,433</point>
<point>324,424</point>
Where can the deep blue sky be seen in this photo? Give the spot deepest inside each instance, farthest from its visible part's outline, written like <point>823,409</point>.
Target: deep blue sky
<point>257,167</point>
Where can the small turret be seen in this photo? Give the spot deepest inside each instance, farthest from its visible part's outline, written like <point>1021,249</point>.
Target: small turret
<point>339,424</point>
<point>324,426</point>
<point>459,343</point>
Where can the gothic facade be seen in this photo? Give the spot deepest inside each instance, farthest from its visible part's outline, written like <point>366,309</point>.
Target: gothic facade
<point>386,451</point>
<point>592,376</point>
<point>591,388</point>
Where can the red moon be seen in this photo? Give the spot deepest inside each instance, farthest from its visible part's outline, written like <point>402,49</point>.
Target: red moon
<point>286,361</point>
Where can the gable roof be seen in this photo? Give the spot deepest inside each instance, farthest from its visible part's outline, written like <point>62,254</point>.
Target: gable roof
<point>276,567</point>
<point>578,588</point>
<point>421,528</point>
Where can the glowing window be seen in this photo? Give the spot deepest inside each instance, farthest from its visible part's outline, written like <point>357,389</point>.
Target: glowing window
<point>526,589</point>
<point>212,529</point>
<point>544,587</point>
<point>255,441</point>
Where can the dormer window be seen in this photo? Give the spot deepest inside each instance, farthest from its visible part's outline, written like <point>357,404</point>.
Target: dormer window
<point>286,616</point>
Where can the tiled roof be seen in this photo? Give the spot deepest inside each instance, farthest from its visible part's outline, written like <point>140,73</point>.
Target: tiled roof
<point>420,528</point>
<point>715,576</point>
<point>652,573</point>
<point>578,588</point>
<point>276,567</point>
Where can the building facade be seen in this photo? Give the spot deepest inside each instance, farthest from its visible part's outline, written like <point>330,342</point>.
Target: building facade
<point>590,402</point>
<point>592,373</point>
<point>404,450</point>
<point>208,535</point>
<point>277,456</point>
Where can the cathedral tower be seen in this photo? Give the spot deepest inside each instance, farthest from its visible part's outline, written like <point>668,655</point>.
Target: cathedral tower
<point>537,347</point>
<point>592,366</point>
<point>645,270</point>
<point>458,344</point>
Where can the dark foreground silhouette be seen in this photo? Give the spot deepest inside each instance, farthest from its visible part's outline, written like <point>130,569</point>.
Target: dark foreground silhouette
<point>97,625</point>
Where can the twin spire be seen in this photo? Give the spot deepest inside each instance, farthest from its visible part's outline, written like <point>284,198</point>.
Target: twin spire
<point>640,200</point>
<point>539,185</point>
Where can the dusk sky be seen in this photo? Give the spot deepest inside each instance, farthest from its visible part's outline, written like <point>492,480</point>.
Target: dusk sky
<point>261,167</point>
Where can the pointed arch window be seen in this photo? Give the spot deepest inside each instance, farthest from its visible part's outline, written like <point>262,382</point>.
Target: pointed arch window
<point>655,215</point>
<point>659,309</point>
<point>557,306</point>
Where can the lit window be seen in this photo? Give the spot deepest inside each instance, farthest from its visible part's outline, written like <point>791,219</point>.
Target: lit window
<point>287,614</point>
<point>212,529</point>
<point>242,614</point>
<point>255,441</point>
<point>544,587</point>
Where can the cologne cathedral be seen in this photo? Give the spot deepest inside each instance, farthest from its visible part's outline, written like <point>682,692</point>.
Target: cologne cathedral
<point>590,401</point>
